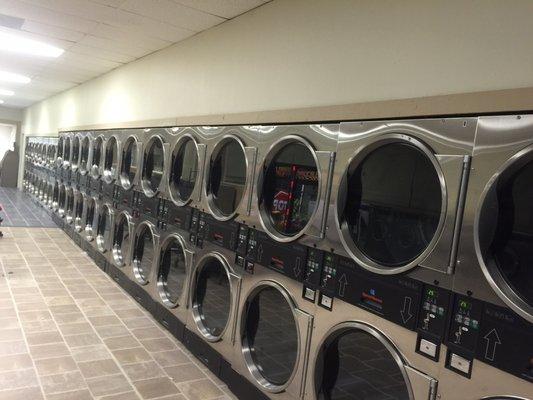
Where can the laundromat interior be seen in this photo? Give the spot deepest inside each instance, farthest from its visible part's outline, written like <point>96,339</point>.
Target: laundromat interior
<point>266,200</point>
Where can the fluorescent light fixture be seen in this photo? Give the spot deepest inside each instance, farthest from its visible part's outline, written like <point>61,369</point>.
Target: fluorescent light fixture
<point>11,77</point>
<point>5,92</point>
<point>17,44</point>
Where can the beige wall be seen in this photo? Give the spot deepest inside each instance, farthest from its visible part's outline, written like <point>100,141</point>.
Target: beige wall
<point>306,53</point>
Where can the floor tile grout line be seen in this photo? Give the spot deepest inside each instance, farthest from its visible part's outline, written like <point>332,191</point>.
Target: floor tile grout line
<point>57,327</point>
<point>20,322</point>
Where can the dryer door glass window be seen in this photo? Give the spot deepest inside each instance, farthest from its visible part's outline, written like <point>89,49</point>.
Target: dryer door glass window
<point>144,254</point>
<point>121,240</point>
<point>129,162</point>
<point>60,147</point>
<point>111,158</point>
<point>70,202</point>
<point>172,271</point>
<point>154,165</point>
<point>184,170</point>
<point>89,215</point>
<point>227,177</point>
<point>97,152</point>
<point>353,364</point>
<point>84,154</point>
<point>66,150</point>
<point>290,188</point>
<point>271,336</point>
<point>62,198</point>
<point>506,229</point>
<point>75,150</point>
<point>393,204</point>
<point>212,297</point>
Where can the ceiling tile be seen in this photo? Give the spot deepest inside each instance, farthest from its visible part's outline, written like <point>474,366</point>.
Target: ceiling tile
<point>111,3</point>
<point>50,31</point>
<point>32,12</point>
<point>173,13</point>
<point>125,48</point>
<point>64,44</point>
<point>222,8</point>
<point>139,37</point>
<point>100,53</point>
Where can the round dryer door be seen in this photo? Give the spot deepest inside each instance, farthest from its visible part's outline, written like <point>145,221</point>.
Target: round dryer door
<point>290,188</point>
<point>504,233</point>
<point>154,164</point>
<point>84,155</point>
<point>90,208</point>
<point>211,299</point>
<point>172,271</point>
<point>270,337</point>
<point>78,211</point>
<point>184,172</point>
<point>393,207</point>
<point>144,252</point>
<point>111,160</point>
<point>357,362</point>
<point>121,239</point>
<point>227,177</point>
<point>103,227</point>
<point>75,158</point>
<point>98,154</point>
<point>51,153</point>
<point>66,152</point>
<point>69,213</point>
<point>128,169</point>
<point>62,200</point>
<point>60,150</point>
<point>50,196</point>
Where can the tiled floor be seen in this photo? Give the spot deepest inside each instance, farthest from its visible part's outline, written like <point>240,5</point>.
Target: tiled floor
<point>20,210</point>
<point>67,331</point>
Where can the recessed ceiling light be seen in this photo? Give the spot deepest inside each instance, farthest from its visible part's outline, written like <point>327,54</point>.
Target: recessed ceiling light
<point>5,92</point>
<point>18,44</point>
<point>11,77</point>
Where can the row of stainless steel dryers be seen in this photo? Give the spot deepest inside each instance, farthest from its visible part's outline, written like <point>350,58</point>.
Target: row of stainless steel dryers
<point>360,260</point>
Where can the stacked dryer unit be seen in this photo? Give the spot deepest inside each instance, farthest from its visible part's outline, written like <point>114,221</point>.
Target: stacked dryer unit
<point>383,259</point>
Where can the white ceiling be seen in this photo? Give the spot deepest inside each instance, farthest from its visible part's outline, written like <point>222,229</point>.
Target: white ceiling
<point>100,35</point>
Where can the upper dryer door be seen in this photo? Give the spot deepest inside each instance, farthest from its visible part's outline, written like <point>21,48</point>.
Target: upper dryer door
<point>401,190</point>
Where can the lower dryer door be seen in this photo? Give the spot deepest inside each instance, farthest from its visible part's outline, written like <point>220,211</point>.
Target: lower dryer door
<point>356,361</point>
<point>274,336</point>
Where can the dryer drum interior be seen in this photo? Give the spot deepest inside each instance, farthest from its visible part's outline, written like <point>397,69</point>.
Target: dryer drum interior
<point>393,204</point>
<point>55,195</point>
<point>154,164</point>
<point>89,216</point>
<point>51,153</point>
<point>75,151</point>
<point>128,170</point>
<point>84,154</point>
<point>270,337</point>
<point>103,227</point>
<point>69,205</point>
<point>111,159</point>
<point>66,150</point>
<point>97,157</point>
<point>184,171</point>
<point>78,211</point>
<point>121,239</point>
<point>355,363</point>
<point>212,297</point>
<point>51,193</point>
<point>60,148</point>
<point>143,257</point>
<point>62,197</point>
<point>172,272</point>
<point>227,177</point>
<point>505,230</point>
<point>290,188</point>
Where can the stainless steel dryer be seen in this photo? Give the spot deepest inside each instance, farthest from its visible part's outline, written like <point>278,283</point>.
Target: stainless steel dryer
<point>62,200</point>
<point>104,227</point>
<point>129,168</point>
<point>111,164</point>
<point>79,205</point>
<point>155,158</point>
<point>273,333</point>
<point>215,287</point>
<point>97,155</point>
<point>67,150</point>
<point>75,151</point>
<point>293,181</point>
<point>54,203</point>
<point>399,192</point>
<point>355,354</point>
<point>123,234</point>
<point>89,212</point>
<point>186,167</point>
<point>69,204</point>
<point>490,344</point>
<point>60,149</point>
<point>230,165</point>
